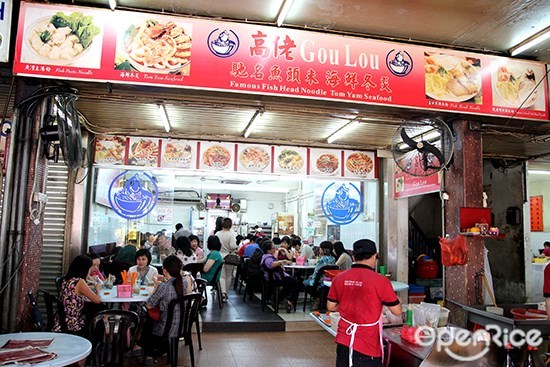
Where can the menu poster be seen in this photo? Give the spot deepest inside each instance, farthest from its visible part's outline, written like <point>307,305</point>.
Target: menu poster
<point>217,156</point>
<point>5,29</point>
<point>359,164</point>
<point>178,154</point>
<point>46,43</point>
<point>110,149</point>
<point>406,185</point>
<point>325,162</point>
<point>290,160</point>
<point>143,152</point>
<point>254,158</point>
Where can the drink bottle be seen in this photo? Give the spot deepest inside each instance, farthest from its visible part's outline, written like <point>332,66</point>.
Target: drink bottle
<point>508,362</point>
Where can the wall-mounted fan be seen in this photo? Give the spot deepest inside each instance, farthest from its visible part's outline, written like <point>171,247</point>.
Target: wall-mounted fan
<point>61,129</point>
<point>423,147</point>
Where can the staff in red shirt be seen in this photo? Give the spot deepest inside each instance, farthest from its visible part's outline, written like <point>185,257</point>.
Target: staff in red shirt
<point>359,295</point>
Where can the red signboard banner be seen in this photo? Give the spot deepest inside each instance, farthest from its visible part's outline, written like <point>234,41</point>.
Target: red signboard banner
<point>152,49</point>
<point>406,185</point>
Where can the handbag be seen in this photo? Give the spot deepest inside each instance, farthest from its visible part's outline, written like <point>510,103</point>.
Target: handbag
<point>232,259</point>
<point>154,313</point>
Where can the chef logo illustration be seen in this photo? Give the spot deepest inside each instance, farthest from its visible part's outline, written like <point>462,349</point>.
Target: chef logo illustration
<point>341,203</point>
<point>134,199</point>
<point>399,62</point>
<point>223,43</point>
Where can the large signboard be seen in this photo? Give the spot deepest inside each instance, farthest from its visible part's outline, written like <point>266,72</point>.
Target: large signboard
<point>70,42</point>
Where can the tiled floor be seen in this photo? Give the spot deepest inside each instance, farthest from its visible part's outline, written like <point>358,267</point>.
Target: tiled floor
<point>262,349</point>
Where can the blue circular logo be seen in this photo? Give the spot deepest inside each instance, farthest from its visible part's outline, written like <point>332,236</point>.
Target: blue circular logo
<point>342,203</point>
<point>223,43</point>
<point>136,198</point>
<point>399,62</point>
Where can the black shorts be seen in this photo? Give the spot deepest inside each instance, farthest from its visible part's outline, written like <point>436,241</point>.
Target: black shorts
<point>359,359</point>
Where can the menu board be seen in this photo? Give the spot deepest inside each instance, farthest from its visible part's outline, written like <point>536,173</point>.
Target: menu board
<point>290,160</point>
<point>359,164</point>
<point>217,156</point>
<point>325,162</point>
<point>110,149</point>
<point>232,157</point>
<point>162,50</point>
<point>178,154</point>
<point>143,152</point>
<point>254,158</point>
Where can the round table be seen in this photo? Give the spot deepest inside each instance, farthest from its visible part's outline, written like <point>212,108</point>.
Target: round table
<point>69,348</point>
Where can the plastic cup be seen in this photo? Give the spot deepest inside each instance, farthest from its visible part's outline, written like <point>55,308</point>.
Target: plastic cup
<point>382,269</point>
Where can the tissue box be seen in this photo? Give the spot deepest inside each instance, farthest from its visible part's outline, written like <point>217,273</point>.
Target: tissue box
<point>124,291</point>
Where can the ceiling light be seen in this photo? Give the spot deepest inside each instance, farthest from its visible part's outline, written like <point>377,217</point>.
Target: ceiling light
<point>530,42</point>
<point>112,4</point>
<point>164,117</point>
<point>344,130</point>
<point>252,122</point>
<point>283,11</point>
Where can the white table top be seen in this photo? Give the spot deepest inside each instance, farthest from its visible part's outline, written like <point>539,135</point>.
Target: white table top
<point>69,348</point>
<point>294,266</point>
<point>144,294</point>
<point>397,286</point>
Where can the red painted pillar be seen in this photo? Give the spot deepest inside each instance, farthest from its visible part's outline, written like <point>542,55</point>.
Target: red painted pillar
<point>464,184</point>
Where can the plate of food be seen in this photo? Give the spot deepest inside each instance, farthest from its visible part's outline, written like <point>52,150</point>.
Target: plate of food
<point>327,163</point>
<point>144,152</point>
<point>290,160</point>
<point>157,47</point>
<point>359,163</point>
<point>516,85</point>
<point>451,78</point>
<point>254,159</point>
<point>217,157</point>
<point>110,149</point>
<point>61,39</point>
<point>177,154</point>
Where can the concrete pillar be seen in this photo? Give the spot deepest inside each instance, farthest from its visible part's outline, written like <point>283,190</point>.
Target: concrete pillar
<point>464,184</point>
<point>393,246</point>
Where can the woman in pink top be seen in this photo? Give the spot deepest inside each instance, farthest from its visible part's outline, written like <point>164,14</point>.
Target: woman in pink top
<point>199,252</point>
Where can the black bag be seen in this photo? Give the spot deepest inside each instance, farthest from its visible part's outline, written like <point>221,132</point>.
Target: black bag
<point>232,259</point>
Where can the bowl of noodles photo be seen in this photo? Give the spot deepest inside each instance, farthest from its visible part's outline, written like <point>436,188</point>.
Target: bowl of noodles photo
<point>359,163</point>
<point>62,38</point>
<point>157,47</point>
<point>217,157</point>
<point>290,161</point>
<point>254,159</point>
<point>177,154</point>
<point>327,163</point>
<point>450,78</point>
<point>516,85</point>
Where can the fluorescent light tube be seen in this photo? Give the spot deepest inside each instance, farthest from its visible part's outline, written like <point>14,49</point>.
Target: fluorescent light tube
<point>164,117</point>
<point>283,12</point>
<point>112,4</point>
<point>251,123</point>
<point>530,42</point>
<point>341,132</point>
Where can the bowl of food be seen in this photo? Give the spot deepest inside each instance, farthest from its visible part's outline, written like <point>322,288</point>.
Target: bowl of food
<point>61,39</point>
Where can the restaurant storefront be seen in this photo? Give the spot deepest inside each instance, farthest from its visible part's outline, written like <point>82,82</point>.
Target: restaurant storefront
<point>135,162</point>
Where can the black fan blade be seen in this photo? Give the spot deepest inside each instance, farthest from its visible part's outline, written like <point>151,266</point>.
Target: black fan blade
<point>429,148</point>
<point>407,140</point>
